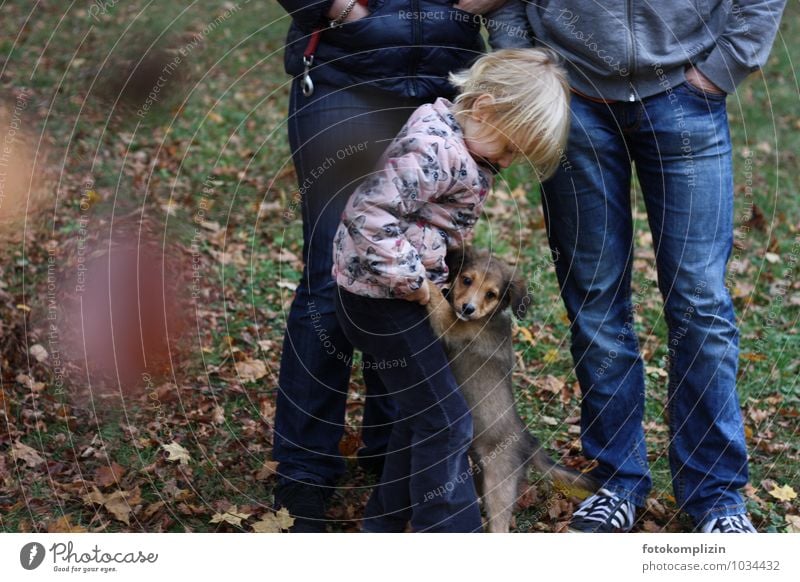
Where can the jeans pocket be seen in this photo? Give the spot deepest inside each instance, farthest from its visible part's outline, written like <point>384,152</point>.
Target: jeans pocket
<point>704,95</point>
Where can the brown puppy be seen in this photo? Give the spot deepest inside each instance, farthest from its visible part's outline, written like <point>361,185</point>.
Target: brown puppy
<point>474,323</point>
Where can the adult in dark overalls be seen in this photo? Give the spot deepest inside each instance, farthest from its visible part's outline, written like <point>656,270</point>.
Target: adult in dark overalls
<point>356,82</point>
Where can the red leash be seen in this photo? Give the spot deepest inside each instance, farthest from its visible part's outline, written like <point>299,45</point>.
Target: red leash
<point>308,56</point>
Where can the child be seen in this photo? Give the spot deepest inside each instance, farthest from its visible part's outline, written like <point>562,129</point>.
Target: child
<point>397,226</point>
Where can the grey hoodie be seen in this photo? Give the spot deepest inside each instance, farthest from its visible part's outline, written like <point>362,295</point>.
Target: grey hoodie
<point>631,49</point>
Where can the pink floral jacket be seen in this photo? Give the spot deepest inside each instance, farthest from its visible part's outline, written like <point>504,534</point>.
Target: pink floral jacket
<point>425,198</point>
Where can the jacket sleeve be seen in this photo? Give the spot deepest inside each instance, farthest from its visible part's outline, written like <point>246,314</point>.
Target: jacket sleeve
<point>308,14</point>
<point>508,26</point>
<point>744,45</point>
<point>376,216</point>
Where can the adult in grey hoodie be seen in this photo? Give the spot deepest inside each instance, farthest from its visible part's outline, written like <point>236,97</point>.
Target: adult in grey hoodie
<point>614,49</point>
<point>649,83</point>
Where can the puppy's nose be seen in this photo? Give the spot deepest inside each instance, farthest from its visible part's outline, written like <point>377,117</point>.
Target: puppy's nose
<point>468,309</point>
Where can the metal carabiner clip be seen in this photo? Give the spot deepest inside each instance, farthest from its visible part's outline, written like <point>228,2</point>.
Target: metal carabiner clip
<point>308,84</point>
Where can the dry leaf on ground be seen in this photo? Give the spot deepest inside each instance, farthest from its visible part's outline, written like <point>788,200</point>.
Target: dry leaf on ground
<point>267,470</point>
<point>108,475</point>
<point>274,522</point>
<point>785,493</point>
<point>120,503</point>
<point>63,525</point>
<point>251,370</point>
<point>793,523</point>
<point>549,383</point>
<point>231,516</point>
<point>38,352</point>
<point>177,453</point>
<point>23,452</point>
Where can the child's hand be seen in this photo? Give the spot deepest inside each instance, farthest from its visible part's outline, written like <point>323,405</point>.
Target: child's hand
<point>421,295</point>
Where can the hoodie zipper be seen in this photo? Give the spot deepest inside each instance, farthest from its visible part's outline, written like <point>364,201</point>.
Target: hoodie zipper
<point>632,60</point>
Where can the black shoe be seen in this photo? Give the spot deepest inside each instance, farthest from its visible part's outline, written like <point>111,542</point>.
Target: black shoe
<point>372,466</point>
<point>728,524</point>
<point>603,512</point>
<point>305,503</point>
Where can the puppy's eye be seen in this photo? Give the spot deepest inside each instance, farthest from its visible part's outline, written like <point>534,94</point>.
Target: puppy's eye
<point>467,281</point>
<point>491,295</point>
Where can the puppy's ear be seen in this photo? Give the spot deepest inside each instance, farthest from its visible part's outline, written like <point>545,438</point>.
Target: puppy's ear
<point>456,260</point>
<point>516,296</point>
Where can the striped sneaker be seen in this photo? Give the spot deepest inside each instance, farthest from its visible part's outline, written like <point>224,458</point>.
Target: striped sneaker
<point>603,512</point>
<point>728,524</point>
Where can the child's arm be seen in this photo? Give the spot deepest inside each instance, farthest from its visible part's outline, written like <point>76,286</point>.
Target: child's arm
<point>375,215</point>
<point>509,27</point>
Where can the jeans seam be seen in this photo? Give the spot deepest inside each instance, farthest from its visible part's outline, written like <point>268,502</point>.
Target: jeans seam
<point>635,345</point>
<point>679,482</point>
<point>722,511</point>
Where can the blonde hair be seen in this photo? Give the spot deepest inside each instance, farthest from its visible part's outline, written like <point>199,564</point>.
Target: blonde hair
<point>531,101</point>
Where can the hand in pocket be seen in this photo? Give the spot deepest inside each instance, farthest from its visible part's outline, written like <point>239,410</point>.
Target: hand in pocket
<point>479,6</point>
<point>698,80</point>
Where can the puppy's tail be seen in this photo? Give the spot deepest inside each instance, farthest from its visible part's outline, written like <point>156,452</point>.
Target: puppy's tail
<point>573,481</point>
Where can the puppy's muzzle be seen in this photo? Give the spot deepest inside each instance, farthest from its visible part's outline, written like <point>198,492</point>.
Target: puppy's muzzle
<point>467,309</point>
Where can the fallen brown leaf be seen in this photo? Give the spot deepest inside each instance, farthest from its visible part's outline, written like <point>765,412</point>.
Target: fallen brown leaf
<point>218,415</point>
<point>231,516</point>
<point>22,452</point>
<point>784,493</point>
<point>274,522</point>
<point>654,507</point>
<point>650,526</point>
<point>793,523</point>
<point>177,453</point>
<point>549,383</point>
<point>120,503</point>
<point>39,352</point>
<point>63,525</point>
<point>267,470</point>
<point>251,370</point>
<point>108,475</point>
<point>151,509</point>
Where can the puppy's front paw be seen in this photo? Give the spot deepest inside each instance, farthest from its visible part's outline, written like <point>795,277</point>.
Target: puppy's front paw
<point>436,296</point>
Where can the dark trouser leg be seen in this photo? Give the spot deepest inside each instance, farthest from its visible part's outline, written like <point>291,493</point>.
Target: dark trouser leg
<point>336,138</point>
<point>426,479</point>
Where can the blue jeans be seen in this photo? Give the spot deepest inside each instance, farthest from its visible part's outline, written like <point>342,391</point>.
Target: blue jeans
<point>336,137</point>
<point>680,144</point>
<point>426,479</point>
